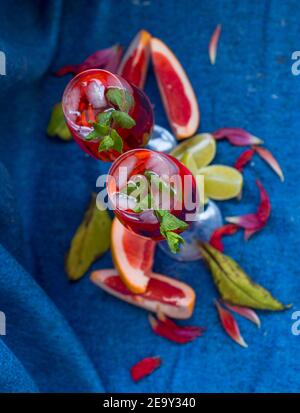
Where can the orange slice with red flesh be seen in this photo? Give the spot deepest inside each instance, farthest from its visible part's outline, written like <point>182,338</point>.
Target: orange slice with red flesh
<point>177,93</point>
<point>171,297</point>
<point>133,256</point>
<point>134,64</point>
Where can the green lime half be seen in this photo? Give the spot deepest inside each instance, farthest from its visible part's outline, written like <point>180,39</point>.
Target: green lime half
<point>201,147</point>
<point>221,182</point>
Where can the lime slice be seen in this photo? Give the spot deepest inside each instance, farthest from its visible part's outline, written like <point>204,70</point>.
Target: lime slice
<point>221,182</point>
<point>201,147</point>
<point>189,161</point>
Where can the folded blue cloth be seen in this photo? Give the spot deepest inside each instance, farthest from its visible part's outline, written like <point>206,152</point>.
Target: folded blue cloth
<point>64,336</point>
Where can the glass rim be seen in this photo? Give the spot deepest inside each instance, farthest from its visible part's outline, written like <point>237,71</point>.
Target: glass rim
<point>75,79</point>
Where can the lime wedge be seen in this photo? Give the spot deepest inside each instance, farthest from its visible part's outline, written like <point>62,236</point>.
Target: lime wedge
<point>201,147</point>
<point>221,182</point>
<point>189,161</point>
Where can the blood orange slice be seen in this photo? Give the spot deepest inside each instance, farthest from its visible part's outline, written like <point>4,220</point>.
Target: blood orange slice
<point>163,294</point>
<point>132,256</point>
<point>134,64</point>
<point>176,91</point>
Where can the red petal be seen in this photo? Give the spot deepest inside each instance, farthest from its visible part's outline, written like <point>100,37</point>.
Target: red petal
<point>230,325</point>
<point>247,221</point>
<point>107,59</point>
<point>184,331</point>
<point>216,238</point>
<point>249,232</point>
<point>236,136</point>
<point>244,312</point>
<point>213,44</point>
<point>168,329</point>
<point>264,209</point>
<point>144,367</point>
<point>254,222</point>
<point>243,159</point>
<point>267,156</point>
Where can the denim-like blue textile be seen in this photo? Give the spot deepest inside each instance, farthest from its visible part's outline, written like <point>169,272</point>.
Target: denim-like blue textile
<point>64,336</point>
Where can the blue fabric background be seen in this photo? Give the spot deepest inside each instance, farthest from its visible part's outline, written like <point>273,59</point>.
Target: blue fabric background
<point>74,337</point>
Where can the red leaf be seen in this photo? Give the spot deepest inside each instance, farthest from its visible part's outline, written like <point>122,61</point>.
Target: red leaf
<point>230,325</point>
<point>267,156</point>
<point>244,312</point>
<point>247,221</point>
<point>213,44</point>
<point>264,208</point>
<point>254,222</point>
<point>243,159</point>
<point>184,331</point>
<point>216,238</point>
<point>144,367</point>
<point>249,232</point>
<point>107,59</point>
<point>166,328</point>
<point>237,136</point>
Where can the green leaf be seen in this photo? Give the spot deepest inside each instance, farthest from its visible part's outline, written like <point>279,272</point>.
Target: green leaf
<point>99,132</point>
<point>102,130</point>
<point>168,222</point>
<point>120,98</point>
<point>129,188</point>
<point>162,186</point>
<point>106,143</point>
<point>235,286</point>
<point>174,241</point>
<point>92,135</point>
<point>144,204</point>
<point>104,118</point>
<point>57,125</point>
<point>90,241</point>
<point>123,120</point>
<point>117,141</point>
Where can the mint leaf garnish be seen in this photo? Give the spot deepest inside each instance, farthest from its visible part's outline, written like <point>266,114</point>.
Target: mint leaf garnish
<point>161,185</point>
<point>106,143</point>
<point>99,131</point>
<point>104,118</point>
<point>168,224</point>
<point>103,127</point>
<point>92,135</point>
<point>168,221</point>
<point>120,98</point>
<point>174,241</point>
<point>144,204</point>
<point>131,186</point>
<point>123,120</point>
<point>118,142</point>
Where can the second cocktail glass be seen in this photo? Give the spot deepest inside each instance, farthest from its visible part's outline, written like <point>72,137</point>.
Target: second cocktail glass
<point>106,115</point>
<point>153,195</point>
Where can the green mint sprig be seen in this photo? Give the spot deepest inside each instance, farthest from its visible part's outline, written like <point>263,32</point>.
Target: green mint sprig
<point>105,129</point>
<point>120,98</point>
<point>169,223</point>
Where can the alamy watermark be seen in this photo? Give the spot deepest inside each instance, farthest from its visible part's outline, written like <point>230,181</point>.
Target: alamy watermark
<point>296,325</point>
<point>2,324</point>
<point>2,64</point>
<point>167,193</point>
<point>295,69</point>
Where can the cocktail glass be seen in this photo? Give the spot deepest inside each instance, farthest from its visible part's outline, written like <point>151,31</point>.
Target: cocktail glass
<point>133,164</point>
<point>168,173</point>
<point>85,97</point>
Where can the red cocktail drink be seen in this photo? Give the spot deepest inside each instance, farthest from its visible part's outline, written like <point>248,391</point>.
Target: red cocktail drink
<point>152,193</point>
<point>106,115</point>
